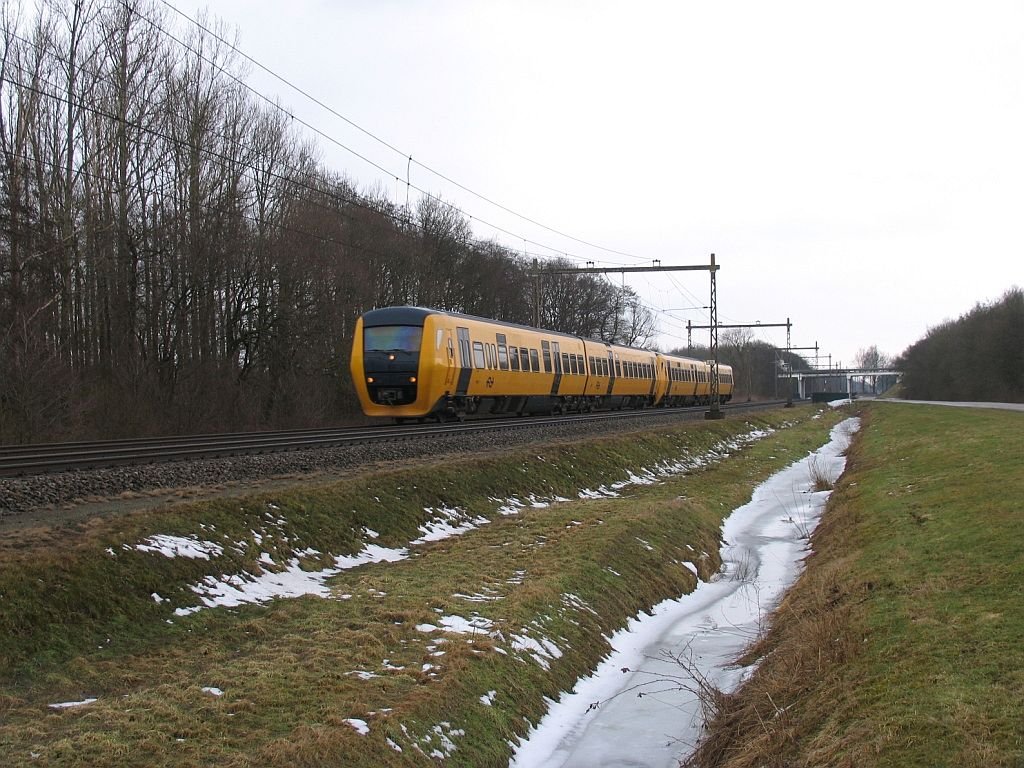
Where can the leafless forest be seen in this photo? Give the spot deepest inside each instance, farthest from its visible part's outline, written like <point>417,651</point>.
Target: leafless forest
<point>978,357</point>
<point>174,256</point>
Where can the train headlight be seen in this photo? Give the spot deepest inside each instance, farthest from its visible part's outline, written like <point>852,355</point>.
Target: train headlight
<point>412,379</point>
<point>369,379</point>
<point>391,357</point>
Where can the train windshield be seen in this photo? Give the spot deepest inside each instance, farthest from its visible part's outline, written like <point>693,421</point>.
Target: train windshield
<point>392,338</point>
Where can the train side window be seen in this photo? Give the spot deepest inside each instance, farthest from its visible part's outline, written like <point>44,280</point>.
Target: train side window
<point>439,338</point>
<point>513,358</point>
<point>478,355</point>
<point>618,368</point>
<point>565,362</point>
<point>502,352</point>
<point>524,358</point>
<point>545,348</point>
<point>534,361</point>
<point>574,367</point>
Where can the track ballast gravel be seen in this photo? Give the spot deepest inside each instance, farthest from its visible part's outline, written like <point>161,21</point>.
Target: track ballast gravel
<point>31,494</point>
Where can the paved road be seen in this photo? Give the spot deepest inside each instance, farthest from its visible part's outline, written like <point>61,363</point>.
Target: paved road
<point>1004,406</point>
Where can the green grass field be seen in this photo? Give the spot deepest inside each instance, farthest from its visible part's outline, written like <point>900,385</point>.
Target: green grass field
<point>903,642</point>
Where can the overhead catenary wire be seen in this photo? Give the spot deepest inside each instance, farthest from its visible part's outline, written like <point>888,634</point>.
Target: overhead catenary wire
<point>356,201</point>
<point>405,156</point>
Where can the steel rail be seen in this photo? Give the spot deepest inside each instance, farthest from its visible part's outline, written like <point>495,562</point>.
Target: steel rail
<point>46,458</point>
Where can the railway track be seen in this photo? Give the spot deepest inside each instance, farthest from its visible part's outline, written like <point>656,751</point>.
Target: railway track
<point>43,458</point>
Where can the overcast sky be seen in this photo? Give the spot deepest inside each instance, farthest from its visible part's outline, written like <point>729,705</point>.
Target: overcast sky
<point>856,167</point>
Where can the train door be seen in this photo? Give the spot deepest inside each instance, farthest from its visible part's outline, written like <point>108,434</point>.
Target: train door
<point>558,369</point>
<point>449,375</point>
<point>465,361</point>
<point>611,371</point>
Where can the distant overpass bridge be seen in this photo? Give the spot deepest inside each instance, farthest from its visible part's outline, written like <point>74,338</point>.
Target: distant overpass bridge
<point>847,373</point>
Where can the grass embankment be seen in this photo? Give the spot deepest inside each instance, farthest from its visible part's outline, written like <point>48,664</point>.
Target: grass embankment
<point>902,644</point>
<point>79,619</point>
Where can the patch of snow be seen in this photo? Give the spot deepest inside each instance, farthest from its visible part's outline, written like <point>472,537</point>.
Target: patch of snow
<point>600,493</point>
<point>459,625</point>
<point>180,546</point>
<point>447,522</point>
<point>443,733</point>
<point>479,597</point>
<point>213,691</point>
<point>72,704</point>
<point>362,674</point>
<point>361,726</point>
<point>543,650</point>
<point>292,581</point>
<point>488,698</point>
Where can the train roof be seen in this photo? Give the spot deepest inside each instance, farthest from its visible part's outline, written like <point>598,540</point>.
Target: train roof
<point>417,315</point>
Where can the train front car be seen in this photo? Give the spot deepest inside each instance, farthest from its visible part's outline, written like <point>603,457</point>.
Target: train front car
<point>390,376</point>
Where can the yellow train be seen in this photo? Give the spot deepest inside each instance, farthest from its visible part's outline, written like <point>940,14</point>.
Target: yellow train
<point>413,363</point>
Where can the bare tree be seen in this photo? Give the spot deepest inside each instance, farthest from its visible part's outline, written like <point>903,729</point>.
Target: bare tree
<point>738,344</point>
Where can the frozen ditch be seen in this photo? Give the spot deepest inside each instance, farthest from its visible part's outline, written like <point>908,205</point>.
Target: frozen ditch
<point>603,721</point>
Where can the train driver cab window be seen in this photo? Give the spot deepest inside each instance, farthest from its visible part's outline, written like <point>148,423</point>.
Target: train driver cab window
<point>392,338</point>
<point>534,361</point>
<point>478,355</point>
<point>545,349</point>
<point>524,358</point>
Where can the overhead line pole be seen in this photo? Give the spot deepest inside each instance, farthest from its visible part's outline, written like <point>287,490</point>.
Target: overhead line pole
<point>715,412</point>
<point>714,333</point>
